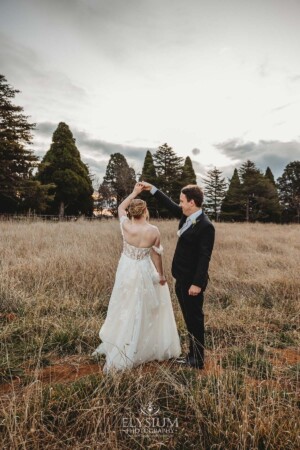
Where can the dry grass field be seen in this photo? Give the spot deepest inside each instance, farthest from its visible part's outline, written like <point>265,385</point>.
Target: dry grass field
<point>55,284</point>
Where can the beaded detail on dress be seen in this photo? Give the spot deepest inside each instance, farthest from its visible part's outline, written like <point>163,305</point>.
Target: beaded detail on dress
<point>135,252</point>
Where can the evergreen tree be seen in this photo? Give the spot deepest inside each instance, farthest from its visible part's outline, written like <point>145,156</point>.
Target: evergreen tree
<point>270,176</point>
<point>119,178</point>
<point>16,160</point>
<point>289,192</point>
<point>188,175</point>
<point>214,193</point>
<point>168,168</point>
<point>232,203</point>
<point>149,174</point>
<point>38,197</point>
<point>62,166</point>
<point>273,205</point>
<point>260,198</point>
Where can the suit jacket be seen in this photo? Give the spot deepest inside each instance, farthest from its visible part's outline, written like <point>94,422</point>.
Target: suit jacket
<point>194,247</point>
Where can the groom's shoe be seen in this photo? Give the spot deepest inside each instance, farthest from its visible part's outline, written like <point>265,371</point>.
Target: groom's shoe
<point>190,361</point>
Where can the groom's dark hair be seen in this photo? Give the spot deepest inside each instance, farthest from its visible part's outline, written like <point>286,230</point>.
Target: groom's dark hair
<point>193,192</point>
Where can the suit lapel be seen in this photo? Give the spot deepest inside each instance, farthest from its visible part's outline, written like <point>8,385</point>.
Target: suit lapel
<point>182,221</point>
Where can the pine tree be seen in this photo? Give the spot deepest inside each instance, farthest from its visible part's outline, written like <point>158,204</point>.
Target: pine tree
<point>149,174</point>
<point>16,160</point>
<point>119,177</point>
<point>168,168</point>
<point>62,166</point>
<point>260,198</point>
<point>270,176</point>
<point>38,197</point>
<point>214,193</point>
<point>289,192</point>
<point>188,175</point>
<point>273,204</point>
<point>231,205</point>
<point>250,175</point>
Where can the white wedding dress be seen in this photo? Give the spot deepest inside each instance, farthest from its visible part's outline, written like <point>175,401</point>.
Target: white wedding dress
<point>140,324</point>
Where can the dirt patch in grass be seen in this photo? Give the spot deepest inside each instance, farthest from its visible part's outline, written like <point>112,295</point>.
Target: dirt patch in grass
<point>286,356</point>
<point>72,368</point>
<point>63,373</point>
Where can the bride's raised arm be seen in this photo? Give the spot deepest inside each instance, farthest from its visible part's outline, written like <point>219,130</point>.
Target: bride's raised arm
<point>125,203</point>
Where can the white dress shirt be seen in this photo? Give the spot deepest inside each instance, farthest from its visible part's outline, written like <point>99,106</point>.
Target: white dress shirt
<point>189,222</point>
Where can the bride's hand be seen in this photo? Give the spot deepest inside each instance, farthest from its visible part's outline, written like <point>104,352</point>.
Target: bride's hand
<point>162,280</point>
<point>137,188</point>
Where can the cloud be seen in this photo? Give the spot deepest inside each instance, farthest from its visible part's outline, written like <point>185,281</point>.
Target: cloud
<point>279,108</point>
<point>96,146</point>
<point>195,151</point>
<point>263,68</point>
<point>17,57</point>
<point>275,154</point>
<point>295,78</point>
<point>46,128</point>
<point>27,71</point>
<point>108,148</point>
<point>200,171</point>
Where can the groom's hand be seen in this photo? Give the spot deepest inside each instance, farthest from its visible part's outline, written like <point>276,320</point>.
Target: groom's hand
<point>194,290</point>
<point>146,186</point>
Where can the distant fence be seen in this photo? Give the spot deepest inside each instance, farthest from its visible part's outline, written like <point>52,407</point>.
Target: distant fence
<point>49,218</point>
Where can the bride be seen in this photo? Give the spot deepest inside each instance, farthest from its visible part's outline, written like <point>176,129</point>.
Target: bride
<point>140,324</point>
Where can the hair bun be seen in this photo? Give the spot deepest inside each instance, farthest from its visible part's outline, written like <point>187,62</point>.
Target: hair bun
<point>137,207</point>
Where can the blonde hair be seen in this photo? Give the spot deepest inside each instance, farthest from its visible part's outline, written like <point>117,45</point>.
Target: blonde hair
<point>137,207</point>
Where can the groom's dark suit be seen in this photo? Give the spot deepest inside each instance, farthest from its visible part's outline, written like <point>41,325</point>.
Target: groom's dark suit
<point>190,267</point>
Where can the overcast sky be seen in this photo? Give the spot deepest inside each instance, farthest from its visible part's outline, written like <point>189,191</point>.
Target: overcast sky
<point>218,80</point>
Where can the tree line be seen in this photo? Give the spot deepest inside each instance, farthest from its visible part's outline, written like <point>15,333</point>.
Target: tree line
<point>62,184</point>
<point>164,169</point>
<point>251,195</point>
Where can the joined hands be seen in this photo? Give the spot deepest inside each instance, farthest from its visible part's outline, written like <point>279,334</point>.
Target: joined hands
<point>146,186</point>
<point>141,186</point>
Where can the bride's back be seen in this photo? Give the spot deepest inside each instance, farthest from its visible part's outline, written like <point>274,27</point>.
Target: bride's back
<point>142,235</point>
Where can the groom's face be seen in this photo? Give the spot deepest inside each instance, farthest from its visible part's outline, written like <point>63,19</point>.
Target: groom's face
<point>187,207</point>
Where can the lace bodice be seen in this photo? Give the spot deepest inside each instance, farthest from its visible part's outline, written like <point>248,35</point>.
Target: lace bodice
<point>135,252</point>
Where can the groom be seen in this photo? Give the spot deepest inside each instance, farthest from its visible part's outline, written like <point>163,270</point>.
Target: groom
<point>190,263</point>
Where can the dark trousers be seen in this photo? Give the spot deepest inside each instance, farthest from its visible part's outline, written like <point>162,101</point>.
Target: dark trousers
<point>192,310</point>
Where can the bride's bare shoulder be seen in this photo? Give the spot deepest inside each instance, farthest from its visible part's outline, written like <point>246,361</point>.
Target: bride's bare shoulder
<point>153,229</point>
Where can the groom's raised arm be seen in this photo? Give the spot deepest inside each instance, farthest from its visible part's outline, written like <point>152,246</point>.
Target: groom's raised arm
<point>164,199</point>
<point>168,203</point>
